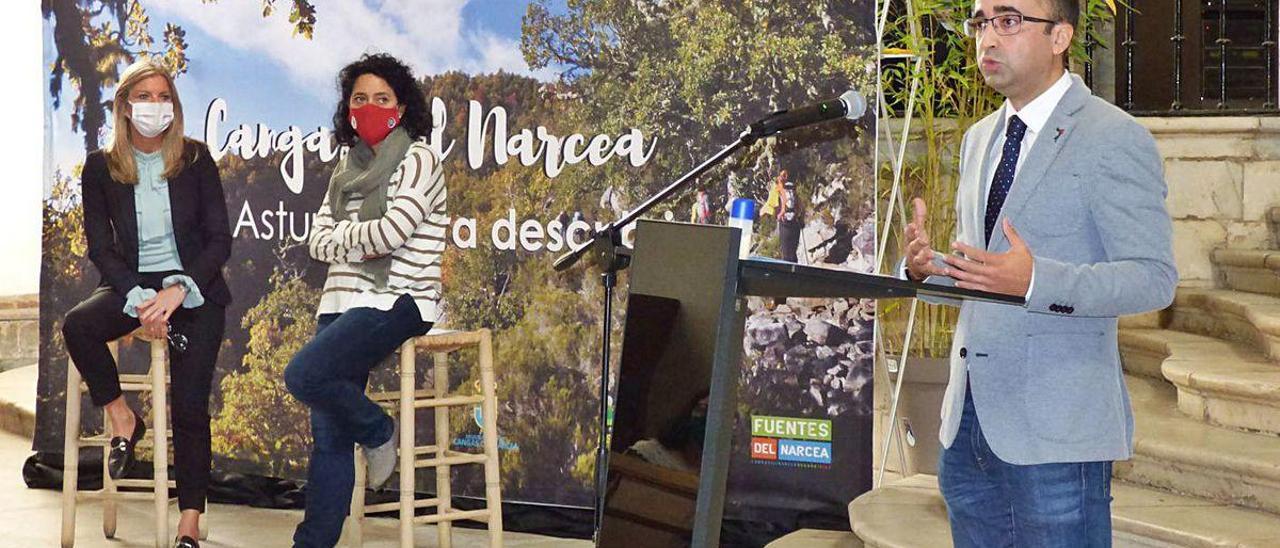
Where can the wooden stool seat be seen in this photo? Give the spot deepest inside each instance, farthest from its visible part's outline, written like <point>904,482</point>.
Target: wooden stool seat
<point>110,493</point>
<point>405,402</point>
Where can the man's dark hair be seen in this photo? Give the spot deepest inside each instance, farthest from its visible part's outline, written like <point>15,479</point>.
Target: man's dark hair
<point>416,119</point>
<point>1065,11</point>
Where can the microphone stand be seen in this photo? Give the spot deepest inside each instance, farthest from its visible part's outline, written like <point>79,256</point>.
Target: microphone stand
<point>608,254</point>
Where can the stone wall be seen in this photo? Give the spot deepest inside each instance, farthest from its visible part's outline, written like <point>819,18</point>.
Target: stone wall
<point>1223,175</point>
<point>19,331</point>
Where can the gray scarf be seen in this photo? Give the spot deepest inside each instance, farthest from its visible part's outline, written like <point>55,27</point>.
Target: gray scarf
<point>368,173</point>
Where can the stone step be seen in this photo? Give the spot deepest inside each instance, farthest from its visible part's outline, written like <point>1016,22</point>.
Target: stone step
<point>1251,270</point>
<point>1230,315</point>
<point>1273,219</point>
<point>18,400</point>
<point>1274,224</point>
<point>1144,350</point>
<point>1219,382</point>
<point>1177,453</point>
<point>880,517</point>
<point>817,538</point>
<point>911,513</point>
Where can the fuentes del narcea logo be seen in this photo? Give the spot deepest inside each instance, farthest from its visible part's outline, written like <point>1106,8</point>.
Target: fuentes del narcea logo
<point>790,440</point>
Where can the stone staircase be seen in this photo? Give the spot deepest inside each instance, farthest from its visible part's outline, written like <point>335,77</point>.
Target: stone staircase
<point>1206,387</point>
<point>1204,378</point>
<point>1205,383</point>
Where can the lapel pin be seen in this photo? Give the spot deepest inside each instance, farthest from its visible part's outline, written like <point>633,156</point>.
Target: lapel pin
<point>1061,132</point>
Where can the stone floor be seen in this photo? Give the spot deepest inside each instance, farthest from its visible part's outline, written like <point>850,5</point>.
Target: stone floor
<point>33,517</point>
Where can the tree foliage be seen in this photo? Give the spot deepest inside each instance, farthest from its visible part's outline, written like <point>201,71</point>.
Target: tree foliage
<point>95,38</point>
<point>695,72</point>
<point>63,262</point>
<point>259,421</point>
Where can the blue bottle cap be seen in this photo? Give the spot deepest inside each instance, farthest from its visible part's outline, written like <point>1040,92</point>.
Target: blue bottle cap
<point>743,208</point>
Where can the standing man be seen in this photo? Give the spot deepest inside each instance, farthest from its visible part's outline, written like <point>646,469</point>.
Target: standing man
<point>1060,200</point>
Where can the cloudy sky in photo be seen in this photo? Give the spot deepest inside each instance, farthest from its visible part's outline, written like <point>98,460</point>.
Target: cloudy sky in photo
<point>269,76</point>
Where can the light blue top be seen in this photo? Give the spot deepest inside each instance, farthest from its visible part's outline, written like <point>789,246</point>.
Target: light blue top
<point>157,247</point>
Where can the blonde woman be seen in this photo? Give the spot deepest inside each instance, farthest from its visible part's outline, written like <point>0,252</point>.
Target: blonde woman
<point>156,225</point>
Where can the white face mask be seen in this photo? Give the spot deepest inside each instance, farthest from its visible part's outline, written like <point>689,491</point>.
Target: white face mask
<point>151,119</point>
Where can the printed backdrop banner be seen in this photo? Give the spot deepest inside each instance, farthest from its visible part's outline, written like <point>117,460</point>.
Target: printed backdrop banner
<point>552,118</point>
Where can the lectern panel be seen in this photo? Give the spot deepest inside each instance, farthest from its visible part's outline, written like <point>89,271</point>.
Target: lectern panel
<point>668,453</point>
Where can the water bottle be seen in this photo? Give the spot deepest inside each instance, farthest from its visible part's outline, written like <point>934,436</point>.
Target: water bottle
<point>743,216</point>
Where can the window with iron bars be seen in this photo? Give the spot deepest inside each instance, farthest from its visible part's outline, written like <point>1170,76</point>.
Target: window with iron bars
<point>1179,58</point>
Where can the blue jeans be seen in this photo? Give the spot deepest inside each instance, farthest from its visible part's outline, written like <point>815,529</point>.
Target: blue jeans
<point>992,503</point>
<point>329,375</point>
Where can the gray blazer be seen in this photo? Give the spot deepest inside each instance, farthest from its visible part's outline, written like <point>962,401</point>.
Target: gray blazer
<point>1089,201</point>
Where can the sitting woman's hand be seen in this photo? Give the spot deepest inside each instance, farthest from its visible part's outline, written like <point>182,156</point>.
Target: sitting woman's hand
<point>154,314</point>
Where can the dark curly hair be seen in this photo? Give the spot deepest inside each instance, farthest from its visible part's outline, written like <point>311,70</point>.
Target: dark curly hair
<point>417,117</point>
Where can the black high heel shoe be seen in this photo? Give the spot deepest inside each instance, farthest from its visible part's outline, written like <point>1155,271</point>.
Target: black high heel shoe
<point>121,457</point>
<point>185,542</point>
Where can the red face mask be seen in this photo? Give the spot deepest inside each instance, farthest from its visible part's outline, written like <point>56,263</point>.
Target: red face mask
<point>373,123</point>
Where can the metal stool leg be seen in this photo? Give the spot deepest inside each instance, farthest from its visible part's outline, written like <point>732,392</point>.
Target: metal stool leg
<point>492,481</point>
<point>160,446</point>
<point>71,456</point>
<point>408,363</point>
<point>444,529</point>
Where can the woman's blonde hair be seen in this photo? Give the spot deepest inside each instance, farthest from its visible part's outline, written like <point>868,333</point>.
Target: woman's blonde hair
<point>119,148</point>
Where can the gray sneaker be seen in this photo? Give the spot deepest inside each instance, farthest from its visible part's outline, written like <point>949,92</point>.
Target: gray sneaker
<point>382,459</point>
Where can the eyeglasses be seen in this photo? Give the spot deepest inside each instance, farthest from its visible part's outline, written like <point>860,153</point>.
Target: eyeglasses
<point>1005,24</point>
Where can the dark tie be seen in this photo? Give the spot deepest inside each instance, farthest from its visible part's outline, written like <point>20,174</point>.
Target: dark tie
<point>1004,173</point>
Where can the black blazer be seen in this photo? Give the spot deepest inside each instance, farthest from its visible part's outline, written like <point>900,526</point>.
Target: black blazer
<point>200,223</point>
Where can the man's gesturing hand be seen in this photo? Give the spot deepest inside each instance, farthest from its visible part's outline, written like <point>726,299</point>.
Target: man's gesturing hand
<point>1008,273</point>
<point>917,250</point>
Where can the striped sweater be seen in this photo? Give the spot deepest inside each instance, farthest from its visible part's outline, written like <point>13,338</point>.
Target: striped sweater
<point>412,231</point>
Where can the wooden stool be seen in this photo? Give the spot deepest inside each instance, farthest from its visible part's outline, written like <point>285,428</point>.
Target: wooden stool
<point>404,402</point>
<point>159,430</point>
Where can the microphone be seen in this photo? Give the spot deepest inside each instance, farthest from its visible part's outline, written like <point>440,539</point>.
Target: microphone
<point>850,105</point>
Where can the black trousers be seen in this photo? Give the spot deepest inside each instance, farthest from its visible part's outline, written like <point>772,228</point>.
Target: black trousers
<point>100,318</point>
<point>789,234</point>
